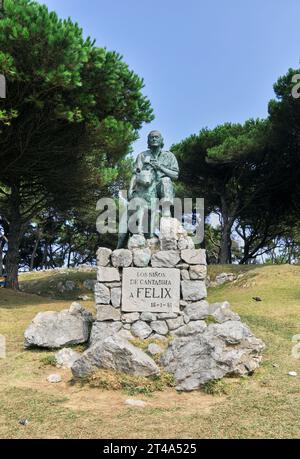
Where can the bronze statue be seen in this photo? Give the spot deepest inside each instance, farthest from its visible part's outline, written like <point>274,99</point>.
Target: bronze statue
<point>152,179</point>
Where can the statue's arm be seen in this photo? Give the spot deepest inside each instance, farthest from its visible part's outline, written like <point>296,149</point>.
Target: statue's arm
<point>172,173</point>
<point>172,170</point>
<point>131,187</point>
<point>137,166</point>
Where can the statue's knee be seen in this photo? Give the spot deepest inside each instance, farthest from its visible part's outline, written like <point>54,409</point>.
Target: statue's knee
<point>166,181</point>
<point>166,187</point>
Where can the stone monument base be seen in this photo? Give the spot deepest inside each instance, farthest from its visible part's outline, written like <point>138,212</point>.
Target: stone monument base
<point>146,289</point>
<point>154,290</point>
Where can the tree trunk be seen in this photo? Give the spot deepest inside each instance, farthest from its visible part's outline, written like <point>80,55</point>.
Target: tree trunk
<point>246,254</point>
<point>69,256</point>
<point>225,256</point>
<point>225,246</point>
<point>45,256</point>
<point>14,240</point>
<point>33,255</point>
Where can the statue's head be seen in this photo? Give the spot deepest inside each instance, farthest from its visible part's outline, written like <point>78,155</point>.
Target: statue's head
<point>155,139</point>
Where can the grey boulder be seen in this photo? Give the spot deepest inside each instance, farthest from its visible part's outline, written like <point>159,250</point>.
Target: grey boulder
<point>117,354</point>
<point>102,330</point>
<point>54,330</point>
<point>141,330</point>
<point>219,350</point>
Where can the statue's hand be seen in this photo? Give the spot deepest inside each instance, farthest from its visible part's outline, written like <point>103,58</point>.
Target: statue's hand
<point>154,164</point>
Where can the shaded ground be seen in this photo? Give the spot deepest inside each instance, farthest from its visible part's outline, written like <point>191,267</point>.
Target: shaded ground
<point>266,405</point>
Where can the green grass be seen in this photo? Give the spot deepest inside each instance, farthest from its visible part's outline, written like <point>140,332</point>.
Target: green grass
<point>265,405</point>
<point>131,385</point>
<point>215,270</point>
<point>46,283</point>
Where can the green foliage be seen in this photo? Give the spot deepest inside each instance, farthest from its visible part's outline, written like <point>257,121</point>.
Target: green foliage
<point>226,166</point>
<point>217,387</point>
<point>49,360</point>
<point>210,320</point>
<point>71,114</point>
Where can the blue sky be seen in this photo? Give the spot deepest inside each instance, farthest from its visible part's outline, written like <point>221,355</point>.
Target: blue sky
<point>204,62</point>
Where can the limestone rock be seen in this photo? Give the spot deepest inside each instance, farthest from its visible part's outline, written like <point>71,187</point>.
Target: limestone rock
<point>103,256</point>
<point>141,330</point>
<point>166,244</point>
<point>108,274</point>
<point>153,244</point>
<point>220,349</point>
<point>125,334</point>
<point>198,272</point>
<point>78,309</point>
<point>66,357</point>
<point>225,277</point>
<point>54,330</point>
<point>194,257</point>
<point>102,330</point>
<point>170,232</point>
<point>68,286</point>
<point>171,228</point>
<point>141,257</point>
<point>148,317</point>
<point>137,241</point>
<point>131,317</point>
<point>186,243</point>
<point>116,294</point>
<point>191,328</point>
<point>197,311</point>
<point>166,315</point>
<point>121,258</point>
<point>165,259</point>
<point>154,349</point>
<point>107,312</point>
<point>102,294</point>
<point>221,312</point>
<point>117,354</point>
<point>89,284</point>
<point>160,327</point>
<point>193,290</point>
<point>185,275</point>
<point>173,324</point>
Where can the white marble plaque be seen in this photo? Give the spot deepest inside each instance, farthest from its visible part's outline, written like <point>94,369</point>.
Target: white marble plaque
<point>151,290</point>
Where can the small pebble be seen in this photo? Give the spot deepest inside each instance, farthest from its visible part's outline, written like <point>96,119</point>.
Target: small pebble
<point>24,422</point>
<point>137,403</point>
<point>54,379</point>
